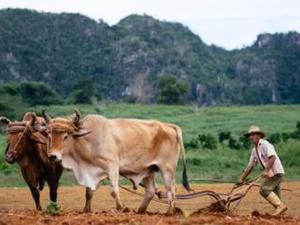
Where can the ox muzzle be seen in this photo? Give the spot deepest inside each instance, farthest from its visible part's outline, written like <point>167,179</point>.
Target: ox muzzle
<point>52,157</point>
<point>10,155</point>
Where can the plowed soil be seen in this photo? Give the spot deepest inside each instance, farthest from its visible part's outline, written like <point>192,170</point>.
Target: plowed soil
<point>17,207</point>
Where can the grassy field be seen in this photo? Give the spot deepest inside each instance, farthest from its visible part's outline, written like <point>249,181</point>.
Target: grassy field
<point>221,163</point>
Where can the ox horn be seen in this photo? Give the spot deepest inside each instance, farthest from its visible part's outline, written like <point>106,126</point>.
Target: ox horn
<point>46,117</point>
<point>4,121</point>
<point>81,133</point>
<point>32,122</point>
<point>33,125</point>
<point>76,119</point>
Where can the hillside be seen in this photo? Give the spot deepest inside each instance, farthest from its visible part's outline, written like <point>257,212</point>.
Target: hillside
<point>63,49</point>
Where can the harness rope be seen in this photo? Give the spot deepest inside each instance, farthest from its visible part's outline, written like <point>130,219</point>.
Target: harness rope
<point>141,195</point>
<point>20,138</point>
<point>58,128</point>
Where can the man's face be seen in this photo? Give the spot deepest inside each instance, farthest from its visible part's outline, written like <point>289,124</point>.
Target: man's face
<point>254,138</point>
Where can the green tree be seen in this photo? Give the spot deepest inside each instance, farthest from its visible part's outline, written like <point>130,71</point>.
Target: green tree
<point>11,103</point>
<point>11,88</point>
<point>233,143</point>
<point>296,133</point>
<point>171,90</point>
<point>192,144</point>
<point>245,142</point>
<point>223,135</point>
<point>285,136</point>
<point>12,107</point>
<point>298,126</point>
<point>275,138</point>
<point>208,141</point>
<point>38,93</point>
<point>83,91</point>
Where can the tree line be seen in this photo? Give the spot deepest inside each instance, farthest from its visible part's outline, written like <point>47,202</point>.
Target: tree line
<point>15,97</point>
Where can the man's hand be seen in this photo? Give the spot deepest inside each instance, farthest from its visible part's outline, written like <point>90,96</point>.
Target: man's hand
<point>242,178</point>
<point>240,181</point>
<point>267,174</point>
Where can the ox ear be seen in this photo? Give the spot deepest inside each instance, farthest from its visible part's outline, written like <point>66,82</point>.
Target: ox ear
<point>81,133</point>
<point>36,126</point>
<point>4,121</point>
<point>46,117</point>
<point>33,119</point>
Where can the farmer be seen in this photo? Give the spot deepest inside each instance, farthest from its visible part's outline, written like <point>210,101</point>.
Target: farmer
<point>263,152</point>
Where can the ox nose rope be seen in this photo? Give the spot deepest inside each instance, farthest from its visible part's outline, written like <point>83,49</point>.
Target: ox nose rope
<point>20,138</point>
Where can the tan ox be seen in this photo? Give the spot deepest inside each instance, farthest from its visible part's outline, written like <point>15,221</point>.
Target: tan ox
<point>96,148</point>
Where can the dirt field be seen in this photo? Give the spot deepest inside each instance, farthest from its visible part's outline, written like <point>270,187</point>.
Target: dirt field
<point>17,207</point>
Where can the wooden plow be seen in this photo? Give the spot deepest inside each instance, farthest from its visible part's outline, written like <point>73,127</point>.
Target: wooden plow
<point>223,202</point>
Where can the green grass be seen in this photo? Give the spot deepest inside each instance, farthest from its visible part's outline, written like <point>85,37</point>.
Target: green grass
<point>222,163</point>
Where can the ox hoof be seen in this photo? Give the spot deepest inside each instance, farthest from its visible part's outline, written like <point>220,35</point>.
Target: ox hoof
<point>87,210</point>
<point>126,209</point>
<point>175,210</point>
<point>141,210</point>
<point>171,211</point>
<point>123,209</point>
<point>39,208</point>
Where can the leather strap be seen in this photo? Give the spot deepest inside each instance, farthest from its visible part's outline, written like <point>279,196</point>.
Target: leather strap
<point>259,157</point>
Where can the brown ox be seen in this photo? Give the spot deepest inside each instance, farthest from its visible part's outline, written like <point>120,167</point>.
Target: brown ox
<point>28,148</point>
<point>96,148</point>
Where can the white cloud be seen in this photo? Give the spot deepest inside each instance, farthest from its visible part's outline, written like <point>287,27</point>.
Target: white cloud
<point>227,23</point>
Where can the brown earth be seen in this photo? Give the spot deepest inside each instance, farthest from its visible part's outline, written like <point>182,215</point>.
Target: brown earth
<point>17,207</point>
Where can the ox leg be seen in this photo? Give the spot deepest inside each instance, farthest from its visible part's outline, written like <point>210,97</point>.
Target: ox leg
<point>88,199</point>
<point>114,177</point>
<point>53,182</point>
<point>36,196</point>
<point>150,190</point>
<point>169,179</point>
<point>53,192</point>
<point>53,185</point>
<point>32,183</point>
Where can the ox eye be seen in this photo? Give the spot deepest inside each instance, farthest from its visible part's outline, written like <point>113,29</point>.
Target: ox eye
<point>66,136</point>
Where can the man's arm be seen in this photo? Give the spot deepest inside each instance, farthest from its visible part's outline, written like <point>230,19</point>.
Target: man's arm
<point>246,172</point>
<point>269,165</point>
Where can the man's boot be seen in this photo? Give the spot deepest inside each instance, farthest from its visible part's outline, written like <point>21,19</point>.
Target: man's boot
<point>277,203</point>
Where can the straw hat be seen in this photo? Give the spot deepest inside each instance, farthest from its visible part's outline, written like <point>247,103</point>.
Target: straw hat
<point>254,130</point>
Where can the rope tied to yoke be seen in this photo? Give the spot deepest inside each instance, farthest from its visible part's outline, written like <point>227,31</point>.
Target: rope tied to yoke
<point>58,126</point>
<point>17,127</point>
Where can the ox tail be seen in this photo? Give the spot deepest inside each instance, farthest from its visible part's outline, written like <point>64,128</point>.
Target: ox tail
<point>185,179</point>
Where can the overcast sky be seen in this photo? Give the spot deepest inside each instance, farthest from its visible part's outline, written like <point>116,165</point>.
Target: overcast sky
<point>227,23</point>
